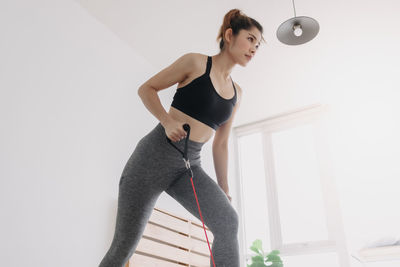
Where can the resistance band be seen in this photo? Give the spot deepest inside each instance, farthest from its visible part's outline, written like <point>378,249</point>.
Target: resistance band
<point>186,127</point>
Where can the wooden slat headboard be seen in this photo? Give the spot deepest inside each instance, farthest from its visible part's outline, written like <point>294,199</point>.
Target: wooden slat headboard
<point>172,241</point>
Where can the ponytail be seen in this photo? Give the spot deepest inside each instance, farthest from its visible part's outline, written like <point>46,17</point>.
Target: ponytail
<point>236,20</point>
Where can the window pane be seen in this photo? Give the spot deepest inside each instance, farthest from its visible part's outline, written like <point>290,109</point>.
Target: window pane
<point>301,205</point>
<point>254,191</point>
<point>312,260</point>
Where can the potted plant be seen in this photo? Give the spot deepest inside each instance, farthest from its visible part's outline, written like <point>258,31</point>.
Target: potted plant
<point>262,259</point>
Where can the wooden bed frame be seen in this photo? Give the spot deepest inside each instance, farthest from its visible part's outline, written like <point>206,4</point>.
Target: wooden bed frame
<point>172,241</point>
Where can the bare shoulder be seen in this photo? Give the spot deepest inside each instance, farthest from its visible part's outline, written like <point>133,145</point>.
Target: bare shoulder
<point>200,60</point>
<point>198,63</point>
<point>199,56</point>
<point>192,59</point>
<point>239,92</point>
<point>195,57</point>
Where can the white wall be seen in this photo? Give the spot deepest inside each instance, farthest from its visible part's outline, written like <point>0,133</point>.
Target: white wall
<point>353,65</point>
<point>70,118</point>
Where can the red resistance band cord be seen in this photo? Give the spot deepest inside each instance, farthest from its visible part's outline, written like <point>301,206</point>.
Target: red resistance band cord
<point>186,127</point>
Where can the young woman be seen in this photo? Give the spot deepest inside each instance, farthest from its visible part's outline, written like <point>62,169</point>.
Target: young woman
<point>206,99</point>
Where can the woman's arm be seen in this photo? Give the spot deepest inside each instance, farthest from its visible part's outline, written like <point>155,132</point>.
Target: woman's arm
<point>167,77</point>
<point>220,156</point>
<point>152,102</point>
<point>220,147</point>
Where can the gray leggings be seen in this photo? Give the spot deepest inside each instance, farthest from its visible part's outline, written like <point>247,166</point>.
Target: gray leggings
<point>155,166</point>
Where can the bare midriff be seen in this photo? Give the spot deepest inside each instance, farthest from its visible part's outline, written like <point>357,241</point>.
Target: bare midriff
<point>199,131</point>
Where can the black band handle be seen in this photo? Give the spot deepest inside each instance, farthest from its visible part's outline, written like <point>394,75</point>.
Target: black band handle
<point>186,127</point>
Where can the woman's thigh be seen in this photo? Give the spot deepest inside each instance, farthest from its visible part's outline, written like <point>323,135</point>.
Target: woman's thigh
<point>216,209</point>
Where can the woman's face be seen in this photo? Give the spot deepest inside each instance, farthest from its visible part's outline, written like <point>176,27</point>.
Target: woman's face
<point>245,45</point>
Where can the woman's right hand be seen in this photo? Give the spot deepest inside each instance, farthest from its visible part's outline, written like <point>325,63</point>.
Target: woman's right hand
<point>174,130</point>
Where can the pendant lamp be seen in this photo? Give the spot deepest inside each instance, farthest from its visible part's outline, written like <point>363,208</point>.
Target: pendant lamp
<point>297,30</point>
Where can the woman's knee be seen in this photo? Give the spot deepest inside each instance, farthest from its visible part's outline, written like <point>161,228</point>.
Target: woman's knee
<point>233,220</point>
<point>228,222</point>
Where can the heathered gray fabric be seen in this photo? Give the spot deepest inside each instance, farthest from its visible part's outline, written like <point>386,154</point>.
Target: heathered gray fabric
<point>155,166</point>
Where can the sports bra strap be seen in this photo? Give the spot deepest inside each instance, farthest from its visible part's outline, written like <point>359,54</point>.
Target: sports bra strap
<point>233,84</point>
<point>209,62</point>
<point>208,65</point>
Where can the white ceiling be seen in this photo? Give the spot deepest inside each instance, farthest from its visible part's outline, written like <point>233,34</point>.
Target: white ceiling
<point>354,38</point>
<point>161,31</point>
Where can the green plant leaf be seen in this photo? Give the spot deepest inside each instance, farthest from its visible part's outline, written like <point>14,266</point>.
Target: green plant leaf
<point>273,257</point>
<point>276,252</point>
<point>257,258</point>
<point>262,258</point>
<point>257,243</point>
<point>258,264</point>
<point>257,247</point>
<point>255,250</point>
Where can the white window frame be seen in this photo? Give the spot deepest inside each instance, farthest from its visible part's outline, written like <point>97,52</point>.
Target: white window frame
<point>336,238</point>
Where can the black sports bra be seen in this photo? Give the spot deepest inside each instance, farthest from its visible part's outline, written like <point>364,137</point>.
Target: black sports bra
<point>200,100</point>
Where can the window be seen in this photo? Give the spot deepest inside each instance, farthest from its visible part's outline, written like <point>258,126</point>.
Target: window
<point>288,197</point>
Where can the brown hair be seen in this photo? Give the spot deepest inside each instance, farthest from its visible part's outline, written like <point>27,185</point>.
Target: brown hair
<point>236,20</point>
